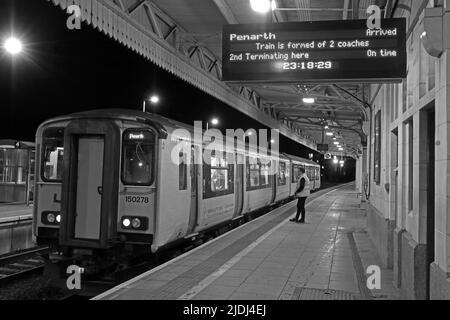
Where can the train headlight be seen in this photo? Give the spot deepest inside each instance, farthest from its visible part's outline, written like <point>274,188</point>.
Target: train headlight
<point>126,222</point>
<point>51,218</point>
<point>136,223</point>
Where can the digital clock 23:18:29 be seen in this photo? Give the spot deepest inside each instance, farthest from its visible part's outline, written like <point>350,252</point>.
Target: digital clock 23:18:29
<point>311,65</point>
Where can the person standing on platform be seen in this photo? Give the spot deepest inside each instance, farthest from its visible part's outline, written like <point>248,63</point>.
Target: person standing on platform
<point>302,193</point>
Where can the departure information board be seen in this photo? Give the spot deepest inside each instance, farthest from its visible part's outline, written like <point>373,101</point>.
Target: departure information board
<point>297,52</point>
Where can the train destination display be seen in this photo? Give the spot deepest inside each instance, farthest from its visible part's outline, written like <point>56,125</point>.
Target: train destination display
<point>315,51</point>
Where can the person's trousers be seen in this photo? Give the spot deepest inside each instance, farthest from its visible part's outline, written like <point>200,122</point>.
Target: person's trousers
<point>301,209</point>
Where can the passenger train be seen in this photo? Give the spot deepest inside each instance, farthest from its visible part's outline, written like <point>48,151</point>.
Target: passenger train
<point>106,185</point>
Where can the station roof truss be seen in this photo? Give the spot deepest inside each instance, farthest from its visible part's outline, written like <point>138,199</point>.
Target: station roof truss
<point>184,38</point>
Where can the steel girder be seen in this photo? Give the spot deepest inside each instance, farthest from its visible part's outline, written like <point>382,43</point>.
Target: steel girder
<point>144,28</point>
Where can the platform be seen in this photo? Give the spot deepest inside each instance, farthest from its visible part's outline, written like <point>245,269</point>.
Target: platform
<point>11,212</point>
<point>272,258</point>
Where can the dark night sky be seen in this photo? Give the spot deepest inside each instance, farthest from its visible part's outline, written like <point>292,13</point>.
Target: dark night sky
<point>65,71</point>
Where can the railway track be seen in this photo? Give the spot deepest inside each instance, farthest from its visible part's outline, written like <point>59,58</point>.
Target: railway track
<point>22,264</point>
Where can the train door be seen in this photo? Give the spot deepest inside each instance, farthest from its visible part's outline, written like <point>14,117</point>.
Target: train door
<point>239,184</point>
<point>274,182</point>
<point>194,172</point>
<point>50,155</point>
<point>90,187</point>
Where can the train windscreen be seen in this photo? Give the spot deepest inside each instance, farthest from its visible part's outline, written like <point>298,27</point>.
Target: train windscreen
<point>138,157</point>
<point>53,155</point>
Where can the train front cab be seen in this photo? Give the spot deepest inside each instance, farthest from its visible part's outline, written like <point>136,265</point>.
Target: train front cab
<point>106,194</point>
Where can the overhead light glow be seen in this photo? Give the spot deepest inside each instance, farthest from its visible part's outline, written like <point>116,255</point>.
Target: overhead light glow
<point>330,134</point>
<point>336,143</point>
<point>262,6</point>
<point>335,161</point>
<point>154,99</point>
<point>272,141</point>
<point>13,46</point>
<point>215,121</point>
<point>309,100</point>
<point>341,149</point>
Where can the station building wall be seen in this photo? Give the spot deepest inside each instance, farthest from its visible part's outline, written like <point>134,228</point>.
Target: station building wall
<point>408,213</point>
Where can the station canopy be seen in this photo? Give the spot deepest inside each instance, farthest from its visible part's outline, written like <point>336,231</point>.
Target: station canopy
<point>339,106</point>
<point>196,26</point>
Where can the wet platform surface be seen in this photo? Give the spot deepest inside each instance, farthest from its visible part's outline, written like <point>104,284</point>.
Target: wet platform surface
<point>15,212</point>
<point>272,258</point>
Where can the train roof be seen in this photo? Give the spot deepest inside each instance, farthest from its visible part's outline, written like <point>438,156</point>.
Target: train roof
<point>295,158</point>
<point>137,115</point>
<point>123,114</point>
<point>15,144</point>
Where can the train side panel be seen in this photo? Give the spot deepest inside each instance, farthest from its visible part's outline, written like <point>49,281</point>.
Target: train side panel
<point>173,199</point>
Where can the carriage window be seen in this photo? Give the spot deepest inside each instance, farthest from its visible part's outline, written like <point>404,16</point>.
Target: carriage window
<point>295,173</point>
<point>182,171</point>
<point>265,174</point>
<point>138,157</point>
<point>219,174</point>
<point>308,173</point>
<point>53,154</point>
<point>258,174</point>
<point>253,173</point>
<point>282,174</point>
<point>218,177</point>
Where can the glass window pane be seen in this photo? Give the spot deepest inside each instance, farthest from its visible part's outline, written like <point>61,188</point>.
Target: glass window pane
<point>295,173</point>
<point>265,170</point>
<point>219,180</point>
<point>282,174</point>
<point>53,147</point>
<point>138,157</point>
<point>254,178</point>
<point>182,171</point>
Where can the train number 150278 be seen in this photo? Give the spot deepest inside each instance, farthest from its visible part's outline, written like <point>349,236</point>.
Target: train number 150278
<point>136,199</point>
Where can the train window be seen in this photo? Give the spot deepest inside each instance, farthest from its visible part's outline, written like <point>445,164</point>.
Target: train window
<point>53,155</point>
<point>282,174</point>
<point>218,177</point>
<point>219,174</point>
<point>258,174</point>
<point>138,157</point>
<point>253,173</point>
<point>265,174</point>
<point>182,171</point>
<point>295,173</point>
<point>309,173</point>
